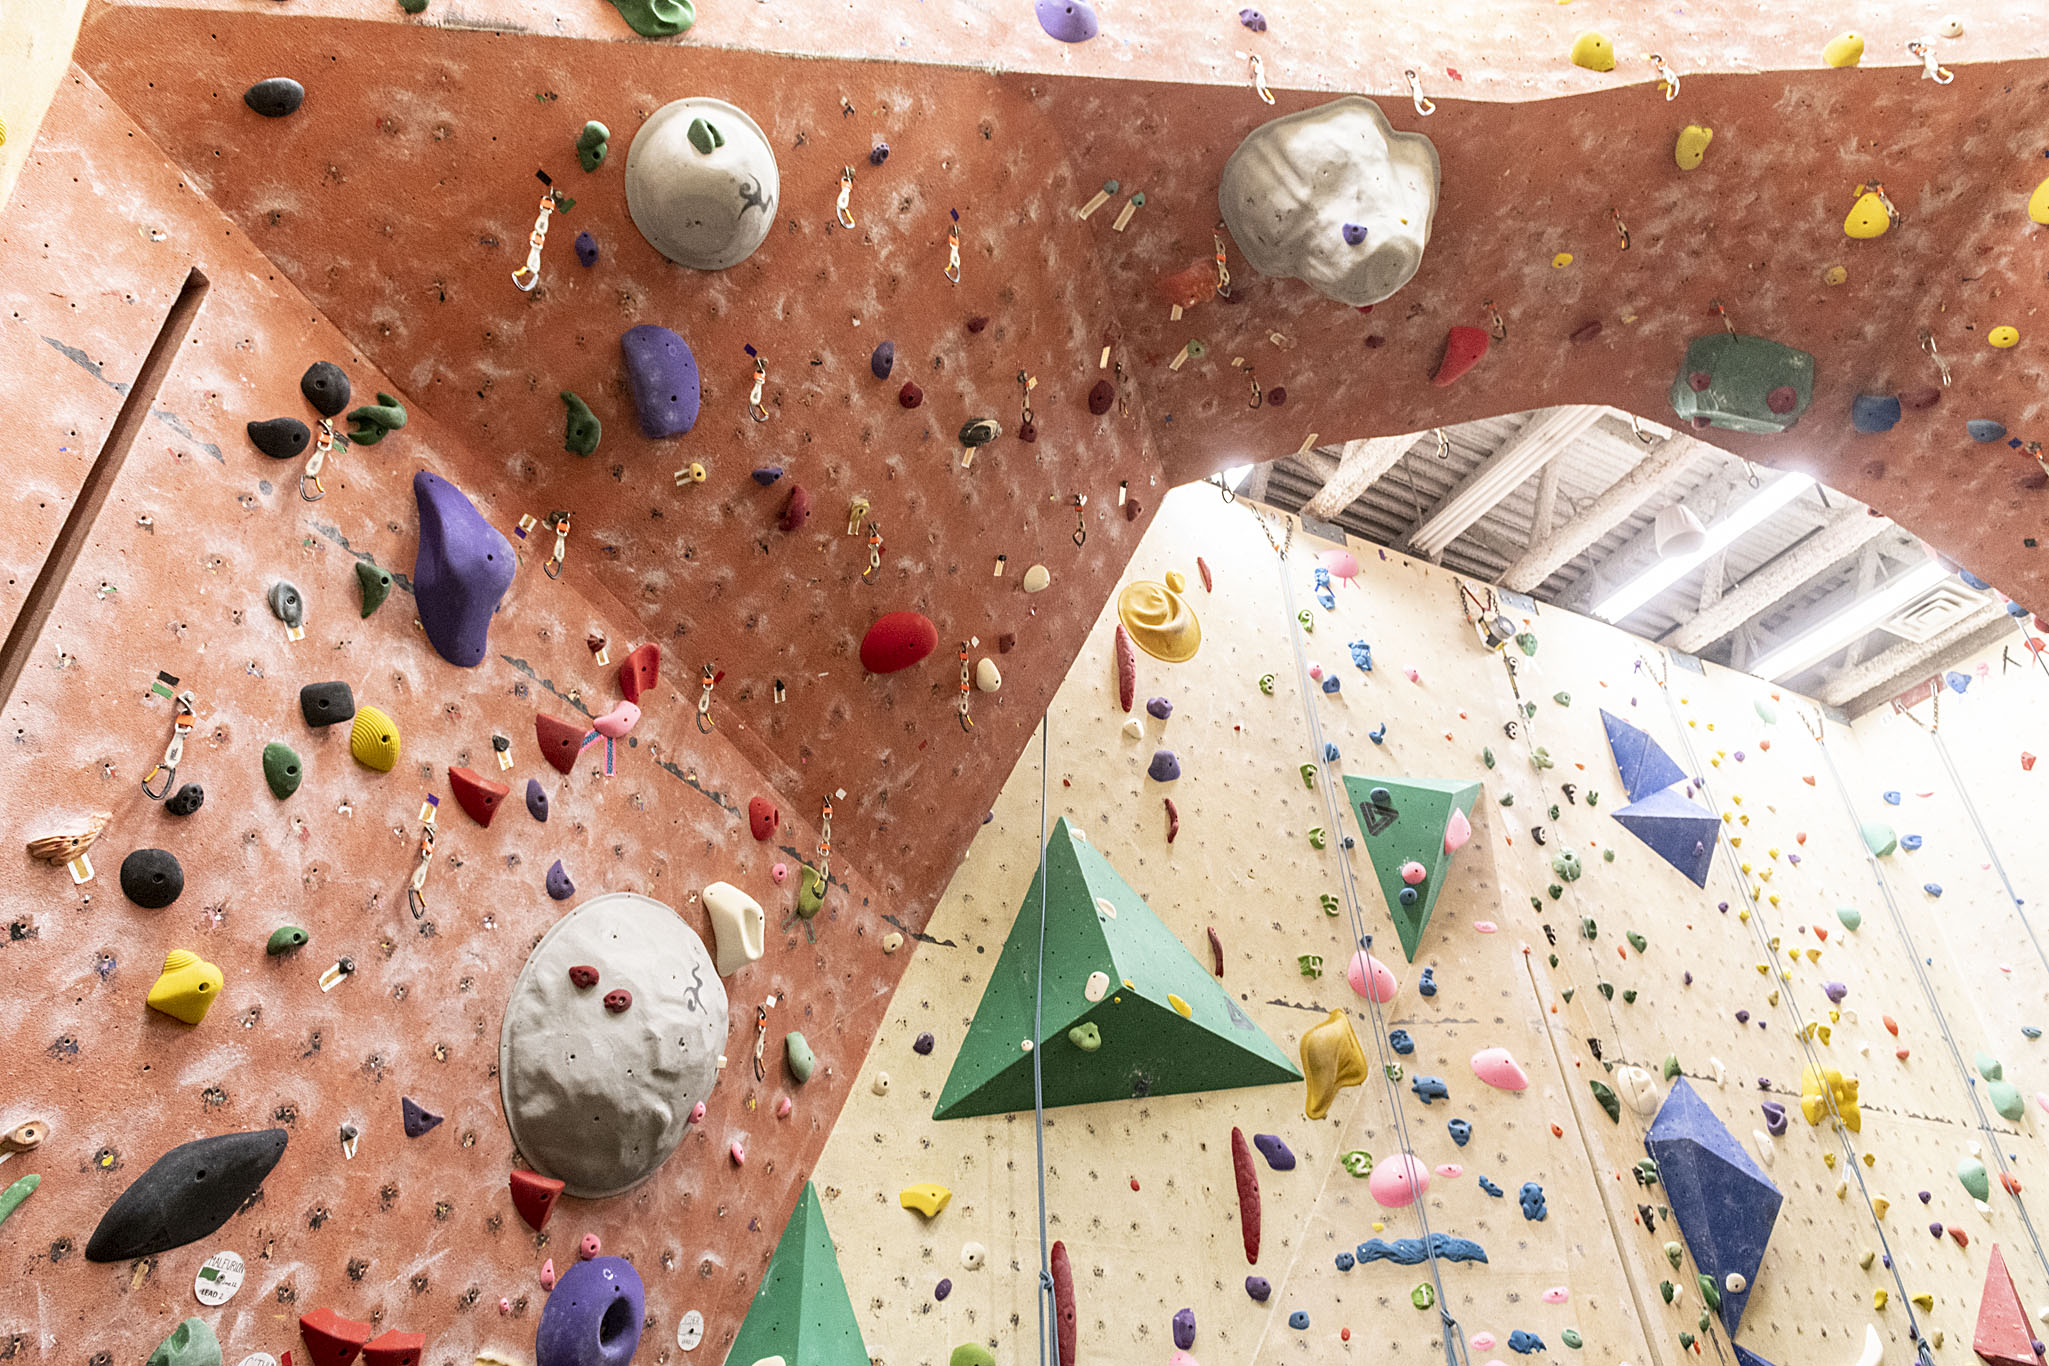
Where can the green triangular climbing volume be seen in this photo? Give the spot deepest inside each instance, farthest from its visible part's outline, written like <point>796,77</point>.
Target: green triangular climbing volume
<point>1096,923</point>
<point>802,1313</point>
<point>1408,827</point>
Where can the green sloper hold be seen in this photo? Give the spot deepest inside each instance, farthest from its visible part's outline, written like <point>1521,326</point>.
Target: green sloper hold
<point>1880,838</point>
<point>591,145</point>
<point>802,1060</point>
<point>585,431</point>
<point>1990,1067</point>
<point>1422,811</point>
<point>1972,1173</point>
<point>191,1343</point>
<point>658,19</point>
<point>281,769</point>
<point>375,583</point>
<point>2006,1098</point>
<point>1610,1102</point>
<point>1148,1046</point>
<point>11,1198</point>
<point>284,939</point>
<point>971,1354</point>
<point>1850,916</point>
<point>1671,1066</point>
<point>801,1313</point>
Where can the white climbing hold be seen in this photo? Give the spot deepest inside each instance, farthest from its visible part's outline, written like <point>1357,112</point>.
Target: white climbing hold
<point>1097,986</point>
<point>972,1255</point>
<point>1953,26</point>
<point>1734,1283</point>
<point>988,678</point>
<point>690,1331</point>
<point>737,925</point>
<point>1134,729</point>
<point>1874,1347</point>
<point>880,1086</point>
<point>1767,1152</point>
<point>1038,579</point>
<point>1721,1070</point>
<point>892,941</point>
<point>1640,1089</point>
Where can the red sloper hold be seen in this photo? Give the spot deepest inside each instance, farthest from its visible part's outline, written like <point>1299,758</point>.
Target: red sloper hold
<point>762,818</point>
<point>1063,1302</point>
<point>898,641</point>
<point>1248,1193</point>
<point>393,1348</point>
<point>533,1195</point>
<point>561,742</point>
<point>1462,351</point>
<point>476,794</point>
<point>637,673</point>
<point>1127,668</point>
<point>797,510</point>
<point>2003,1337</point>
<point>332,1340</point>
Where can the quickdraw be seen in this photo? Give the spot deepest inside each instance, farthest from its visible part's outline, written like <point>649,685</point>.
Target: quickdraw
<point>322,444</point>
<point>846,218</point>
<point>1223,269</point>
<point>953,248</point>
<point>1668,79</point>
<point>1258,76</point>
<point>1025,383</point>
<point>825,843</point>
<point>874,553</point>
<point>711,677</point>
<point>1424,105</point>
<point>754,404</point>
<point>182,722</point>
<point>1081,525</point>
<point>1930,68</point>
<point>967,722</point>
<point>529,275</point>
<point>416,890</point>
<point>560,522</point>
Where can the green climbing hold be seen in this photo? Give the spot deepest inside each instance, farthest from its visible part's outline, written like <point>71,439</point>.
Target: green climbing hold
<point>1610,1102</point>
<point>1880,838</point>
<point>1508,799</point>
<point>281,769</point>
<point>585,431</point>
<point>1405,821</point>
<point>1647,1172</point>
<point>1086,1037</point>
<point>1572,1338</point>
<point>704,134</point>
<point>1636,941</point>
<point>1526,641</point>
<point>1607,990</point>
<point>810,892</point>
<point>1554,960</point>
<point>375,583</point>
<point>1393,1070</point>
<point>1607,855</point>
<point>1667,1289</point>
<point>2006,1098</point>
<point>803,1062</point>
<point>1629,997</point>
<point>370,423</point>
<point>1850,916</point>
<point>1671,1066</point>
<point>1556,890</point>
<point>284,939</point>
<point>1563,699</point>
<point>592,144</point>
<point>1565,866</point>
<point>11,1198</point>
<point>1702,1324</point>
<point>1972,1173</point>
<point>1686,1342</point>
<point>660,19</point>
<point>1423,1296</point>
<point>1553,813</point>
<point>801,1313</point>
<point>1568,992</point>
<point>1990,1068</point>
<point>413,6</point>
<point>1540,758</point>
<point>191,1343</point>
<point>1308,775</point>
<point>1767,711</point>
<point>971,1354</point>
<point>1709,1291</point>
<point>1587,928</point>
<point>1487,756</point>
<point>1673,1252</point>
<point>1358,1162</point>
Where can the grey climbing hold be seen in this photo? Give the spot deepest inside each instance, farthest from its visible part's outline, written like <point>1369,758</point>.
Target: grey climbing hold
<point>417,1118</point>
<point>325,387</point>
<point>286,603</point>
<point>882,360</point>
<point>802,1060</point>
<point>185,800</point>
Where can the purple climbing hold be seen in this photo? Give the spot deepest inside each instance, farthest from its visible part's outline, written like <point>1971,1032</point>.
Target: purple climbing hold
<point>536,800</point>
<point>1277,1155</point>
<point>1159,708</point>
<point>1742,1017</point>
<point>1070,21</point>
<point>1836,991</point>
<point>1184,1328</point>
<point>1935,1229</point>
<point>768,474</point>
<point>1774,1118</point>
<point>943,1289</point>
<point>1926,1196</point>
<point>662,376</point>
<point>878,154</point>
<point>417,1118</point>
<point>1355,233</point>
<point>463,568</point>
<point>586,249</point>
<point>559,885</point>
<point>1253,20</point>
<point>593,1315</point>
<point>882,360</point>
<point>922,1045</point>
<point>1258,1287</point>
<point>1164,768</point>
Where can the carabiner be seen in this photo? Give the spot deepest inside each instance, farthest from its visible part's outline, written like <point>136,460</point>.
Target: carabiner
<point>321,446</point>
<point>846,189</point>
<point>705,725</point>
<point>953,248</point>
<point>182,722</point>
<point>754,404</point>
<point>874,553</point>
<point>529,275</point>
<point>416,895</point>
<point>553,568</point>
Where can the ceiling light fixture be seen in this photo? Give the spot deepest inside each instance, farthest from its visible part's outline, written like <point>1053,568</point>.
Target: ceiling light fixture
<point>1662,575</point>
<point>1832,633</point>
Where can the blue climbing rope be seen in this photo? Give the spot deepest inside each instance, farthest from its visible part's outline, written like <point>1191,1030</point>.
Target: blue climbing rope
<point>1049,1345</point>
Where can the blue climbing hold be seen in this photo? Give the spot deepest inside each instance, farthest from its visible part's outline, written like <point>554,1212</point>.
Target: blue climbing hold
<point>1378,735</point>
<point>1345,1261</point>
<point>1489,1187</point>
<point>1412,1251</point>
<point>1428,986</point>
<point>1362,655</point>
<point>1323,593</point>
<point>1299,1319</point>
<point>1932,888</point>
<point>1984,430</point>
<point>1330,683</point>
<point>2031,1032</point>
<point>1892,799</point>
<point>1330,752</point>
<point>1400,1042</point>
<point>1428,1089</point>
<point>1873,413</point>
<point>1956,682</point>
<point>1532,1197</point>
<point>1523,1343</point>
<point>1910,841</point>
<point>1722,1200</point>
<point>768,474</point>
<point>1972,580</point>
<point>1461,1132</point>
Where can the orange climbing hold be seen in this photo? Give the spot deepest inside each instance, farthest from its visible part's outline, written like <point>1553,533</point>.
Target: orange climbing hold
<point>1187,288</point>
<point>1963,1239</point>
<point>1892,1026</point>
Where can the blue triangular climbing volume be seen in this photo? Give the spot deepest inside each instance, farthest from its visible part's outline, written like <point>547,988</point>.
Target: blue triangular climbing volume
<point>1722,1201</point>
<point>1746,1357</point>
<point>1642,762</point>
<point>1677,830</point>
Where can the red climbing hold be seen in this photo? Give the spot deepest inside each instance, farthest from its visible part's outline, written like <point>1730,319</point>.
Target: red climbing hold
<point>910,396</point>
<point>1462,351</point>
<point>898,641</point>
<point>393,1348</point>
<point>332,1340</point>
<point>560,742</point>
<point>637,673</point>
<point>1173,819</point>
<point>1216,953</point>
<point>476,794</point>
<point>1101,396</point>
<point>583,976</point>
<point>1892,1026</point>
<point>763,818</point>
<point>2011,1182</point>
<point>797,510</point>
<point>1187,288</point>
<point>1202,568</point>
<point>1248,1193</point>
<point>2004,1336</point>
<point>1963,1239</point>
<point>1063,1303</point>
<point>533,1195</point>
<point>1127,668</point>
<point>1585,332</point>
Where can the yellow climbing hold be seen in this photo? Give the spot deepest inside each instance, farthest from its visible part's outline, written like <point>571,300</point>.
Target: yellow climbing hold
<point>373,739</point>
<point>1176,580</point>
<point>1925,1302</point>
<point>2003,337</point>
<point>1820,1086</point>
<point>1829,1160</point>
<point>1692,146</point>
<point>1331,1060</point>
<point>187,988</point>
<point>1834,275</point>
<point>1845,49</point>
<point>1180,1006</point>
<point>927,1198</point>
<point>1593,52</point>
<point>1879,1297</point>
<point>1561,260</point>
<point>2038,203</point>
<point>1879,1205</point>
<point>1868,217</point>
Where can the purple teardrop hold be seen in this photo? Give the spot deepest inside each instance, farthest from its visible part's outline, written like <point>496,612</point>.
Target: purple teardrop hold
<point>1355,233</point>
<point>463,569</point>
<point>922,1044</point>
<point>1070,21</point>
<point>943,1289</point>
<point>593,1315</point>
<point>1164,768</point>
<point>536,800</point>
<point>586,250</point>
<point>1277,1154</point>
<point>559,885</point>
<point>662,375</point>
<point>1184,1328</point>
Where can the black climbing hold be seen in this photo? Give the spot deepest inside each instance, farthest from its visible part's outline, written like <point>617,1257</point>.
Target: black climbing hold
<point>536,800</point>
<point>281,438</point>
<point>418,1119</point>
<point>276,97</point>
<point>325,387</point>
<point>185,800</point>
<point>151,878</point>
<point>186,1195</point>
<point>324,704</point>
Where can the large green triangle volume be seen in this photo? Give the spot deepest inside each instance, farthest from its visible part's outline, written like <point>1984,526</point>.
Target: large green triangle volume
<point>802,1313</point>
<point>1409,827</point>
<point>1095,923</point>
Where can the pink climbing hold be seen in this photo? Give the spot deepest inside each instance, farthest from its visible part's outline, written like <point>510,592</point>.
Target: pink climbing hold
<point>1412,675</point>
<point>779,874</point>
<point>1371,978</point>
<point>1499,1069</point>
<point>548,1274</point>
<point>1457,831</point>
<point>1414,872</point>
<point>616,723</point>
<point>697,1113</point>
<point>783,1108</point>
<point>1557,1294</point>
<point>737,1153</point>
<point>1342,564</point>
<point>1398,1180</point>
<point>589,1246</point>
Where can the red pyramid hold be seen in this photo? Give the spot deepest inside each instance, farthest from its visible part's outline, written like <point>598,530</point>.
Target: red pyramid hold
<point>1463,349</point>
<point>393,1348</point>
<point>560,742</point>
<point>533,1195</point>
<point>2003,1337</point>
<point>639,670</point>
<point>332,1340</point>
<point>478,795</point>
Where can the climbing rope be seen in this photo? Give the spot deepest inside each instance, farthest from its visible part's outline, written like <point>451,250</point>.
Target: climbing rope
<point>1049,1346</point>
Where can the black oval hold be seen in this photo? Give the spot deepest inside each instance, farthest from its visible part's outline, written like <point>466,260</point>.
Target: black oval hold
<point>276,97</point>
<point>326,704</point>
<point>281,438</point>
<point>325,387</point>
<point>151,878</point>
<point>186,1195</point>
<point>185,800</point>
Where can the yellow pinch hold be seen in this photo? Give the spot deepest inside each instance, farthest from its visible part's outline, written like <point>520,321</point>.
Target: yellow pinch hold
<point>1691,148</point>
<point>1867,217</point>
<point>927,1198</point>
<point>2038,203</point>
<point>187,988</point>
<point>373,740</point>
<point>1829,1160</point>
<point>1879,1205</point>
<point>1331,1060</point>
<point>1593,51</point>
<point>1925,1302</point>
<point>1879,1298</point>
<point>1180,1006</point>
<point>1845,49</point>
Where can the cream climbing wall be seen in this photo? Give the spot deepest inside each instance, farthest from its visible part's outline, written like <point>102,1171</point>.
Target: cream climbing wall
<point>1141,1191</point>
